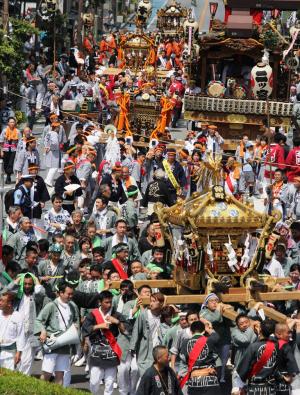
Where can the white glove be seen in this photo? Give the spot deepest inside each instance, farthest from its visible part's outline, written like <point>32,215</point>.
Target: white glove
<point>209,252</point>
<point>94,174</point>
<point>232,260</point>
<point>247,241</point>
<point>245,259</point>
<point>233,264</point>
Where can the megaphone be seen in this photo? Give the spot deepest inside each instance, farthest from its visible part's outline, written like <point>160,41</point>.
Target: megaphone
<point>70,336</point>
<point>128,140</point>
<point>110,129</point>
<point>153,143</point>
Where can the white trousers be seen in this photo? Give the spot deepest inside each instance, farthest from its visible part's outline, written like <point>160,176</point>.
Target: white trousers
<point>56,363</point>
<point>236,380</point>
<point>7,359</point>
<point>67,378</point>
<point>108,375</point>
<point>40,96</point>
<point>27,357</point>
<point>128,375</point>
<point>51,175</point>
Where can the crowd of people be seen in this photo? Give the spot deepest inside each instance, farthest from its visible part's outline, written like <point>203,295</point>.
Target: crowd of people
<point>71,237</point>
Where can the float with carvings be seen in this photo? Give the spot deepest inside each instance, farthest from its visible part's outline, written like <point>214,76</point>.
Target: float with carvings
<point>246,66</point>
<point>224,239</point>
<point>170,19</point>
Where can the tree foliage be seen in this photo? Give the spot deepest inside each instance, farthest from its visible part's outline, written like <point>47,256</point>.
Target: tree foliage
<point>12,56</point>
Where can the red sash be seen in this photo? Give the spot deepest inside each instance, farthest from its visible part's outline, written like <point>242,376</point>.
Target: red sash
<point>266,355</point>
<point>194,354</point>
<point>229,183</point>
<point>281,343</point>
<point>119,269</point>
<point>107,333</point>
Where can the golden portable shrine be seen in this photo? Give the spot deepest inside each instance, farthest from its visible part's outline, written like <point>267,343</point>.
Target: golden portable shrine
<point>220,239</point>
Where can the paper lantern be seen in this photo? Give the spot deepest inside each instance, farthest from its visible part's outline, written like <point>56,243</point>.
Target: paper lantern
<point>144,9</point>
<point>262,81</point>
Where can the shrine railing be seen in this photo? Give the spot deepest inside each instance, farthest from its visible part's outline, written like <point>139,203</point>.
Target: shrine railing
<point>238,106</point>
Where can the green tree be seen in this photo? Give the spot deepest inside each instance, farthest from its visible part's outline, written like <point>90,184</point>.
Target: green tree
<point>12,56</point>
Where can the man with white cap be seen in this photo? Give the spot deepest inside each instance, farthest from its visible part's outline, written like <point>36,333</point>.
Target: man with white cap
<point>22,196</point>
<point>39,196</point>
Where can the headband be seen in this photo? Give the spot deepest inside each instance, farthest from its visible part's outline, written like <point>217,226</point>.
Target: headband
<point>132,193</point>
<point>21,283</point>
<point>183,154</point>
<point>70,150</point>
<point>69,167</point>
<point>207,299</point>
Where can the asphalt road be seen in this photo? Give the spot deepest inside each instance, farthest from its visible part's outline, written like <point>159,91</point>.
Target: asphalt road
<point>80,382</point>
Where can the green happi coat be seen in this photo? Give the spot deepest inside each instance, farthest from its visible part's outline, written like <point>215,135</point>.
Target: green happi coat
<point>48,320</point>
<point>141,341</point>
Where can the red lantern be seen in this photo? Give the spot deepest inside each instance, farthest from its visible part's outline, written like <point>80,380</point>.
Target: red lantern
<point>275,13</point>
<point>213,6</point>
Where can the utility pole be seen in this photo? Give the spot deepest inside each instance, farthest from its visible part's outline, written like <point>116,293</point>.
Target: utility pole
<point>100,17</point>
<point>5,15</point>
<point>79,24</point>
<point>5,26</point>
<point>114,10</point>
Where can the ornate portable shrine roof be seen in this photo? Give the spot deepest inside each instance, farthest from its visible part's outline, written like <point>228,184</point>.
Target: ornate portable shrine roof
<point>136,40</point>
<point>173,9</point>
<point>216,211</point>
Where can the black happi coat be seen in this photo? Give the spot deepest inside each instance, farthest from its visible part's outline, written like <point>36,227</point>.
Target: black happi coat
<point>97,338</point>
<point>286,366</point>
<point>117,192</point>
<point>151,383</point>
<point>59,187</point>
<point>207,358</point>
<point>157,191</point>
<point>251,356</point>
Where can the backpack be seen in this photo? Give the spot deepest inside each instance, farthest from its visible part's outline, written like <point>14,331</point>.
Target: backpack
<point>9,199</point>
